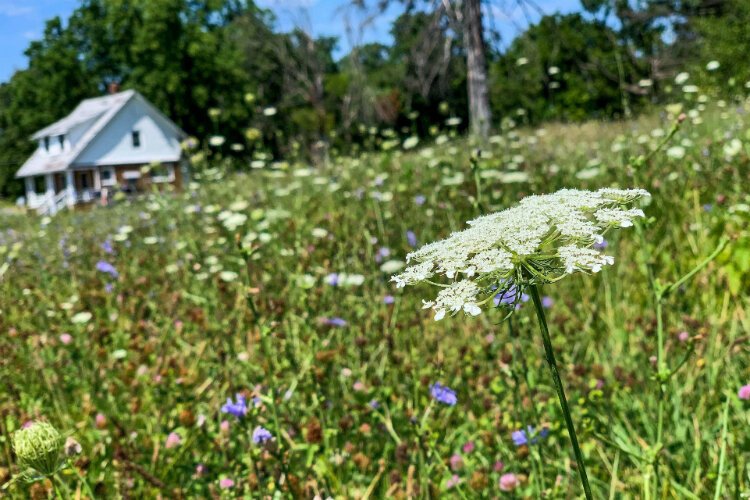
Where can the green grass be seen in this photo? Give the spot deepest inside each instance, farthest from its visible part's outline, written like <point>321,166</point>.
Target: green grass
<point>200,312</point>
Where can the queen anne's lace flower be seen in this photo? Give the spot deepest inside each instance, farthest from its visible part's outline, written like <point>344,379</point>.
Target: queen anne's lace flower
<point>457,296</point>
<point>541,240</point>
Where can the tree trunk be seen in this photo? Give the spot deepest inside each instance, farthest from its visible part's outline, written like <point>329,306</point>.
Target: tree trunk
<point>480,116</point>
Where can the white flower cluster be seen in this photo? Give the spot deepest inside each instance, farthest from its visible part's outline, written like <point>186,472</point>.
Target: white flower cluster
<point>544,238</point>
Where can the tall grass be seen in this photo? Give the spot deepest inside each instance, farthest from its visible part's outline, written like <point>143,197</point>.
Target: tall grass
<point>209,304</point>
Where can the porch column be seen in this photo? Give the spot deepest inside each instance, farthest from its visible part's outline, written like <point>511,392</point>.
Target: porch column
<point>49,181</point>
<point>97,179</point>
<point>70,188</point>
<point>30,190</point>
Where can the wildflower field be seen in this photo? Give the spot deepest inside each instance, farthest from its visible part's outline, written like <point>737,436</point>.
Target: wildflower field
<point>243,338</point>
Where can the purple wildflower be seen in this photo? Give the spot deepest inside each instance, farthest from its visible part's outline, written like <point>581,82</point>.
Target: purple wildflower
<point>261,435</point>
<point>374,404</point>
<point>420,199</point>
<point>411,238</point>
<point>332,279</point>
<point>506,298</point>
<point>519,438</point>
<point>107,246</point>
<point>105,267</point>
<point>382,253</point>
<point>108,287</point>
<point>336,321</point>
<point>443,394</point>
<point>547,302</point>
<point>238,409</point>
<point>388,300</point>
<point>529,436</point>
<point>744,392</point>
<point>601,245</point>
<point>453,481</point>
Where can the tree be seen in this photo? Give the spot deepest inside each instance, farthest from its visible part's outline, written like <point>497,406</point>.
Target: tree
<point>561,68</point>
<point>464,18</point>
<point>480,116</point>
<point>55,81</point>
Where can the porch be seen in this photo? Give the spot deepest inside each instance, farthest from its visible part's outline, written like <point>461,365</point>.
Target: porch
<point>49,193</point>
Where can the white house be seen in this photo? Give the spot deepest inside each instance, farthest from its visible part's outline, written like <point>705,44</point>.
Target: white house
<point>101,147</point>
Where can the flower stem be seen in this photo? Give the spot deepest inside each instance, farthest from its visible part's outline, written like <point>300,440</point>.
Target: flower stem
<point>550,355</point>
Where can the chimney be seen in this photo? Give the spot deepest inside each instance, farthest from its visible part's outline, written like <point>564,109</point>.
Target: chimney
<point>113,88</point>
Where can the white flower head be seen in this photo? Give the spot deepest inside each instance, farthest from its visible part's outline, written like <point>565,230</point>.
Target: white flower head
<point>541,240</point>
<point>460,295</point>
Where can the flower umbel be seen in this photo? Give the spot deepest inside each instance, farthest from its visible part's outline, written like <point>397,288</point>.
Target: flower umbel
<point>542,240</point>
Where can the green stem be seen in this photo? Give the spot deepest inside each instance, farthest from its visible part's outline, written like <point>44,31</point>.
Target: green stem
<point>478,184</point>
<point>660,370</point>
<point>723,453</point>
<point>550,355</point>
<point>677,284</point>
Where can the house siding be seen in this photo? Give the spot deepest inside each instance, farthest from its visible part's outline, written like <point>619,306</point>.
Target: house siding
<point>144,182</point>
<point>114,145</point>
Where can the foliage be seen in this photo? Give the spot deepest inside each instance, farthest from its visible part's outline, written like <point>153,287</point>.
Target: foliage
<point>561,69</point>
<point>130,326</point>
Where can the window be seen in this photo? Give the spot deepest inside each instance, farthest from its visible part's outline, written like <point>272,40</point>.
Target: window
<point>61,140</point>
<point>46,143</point>
<point>136,136</point>
<point>161,173</point>
<point>107,177</point>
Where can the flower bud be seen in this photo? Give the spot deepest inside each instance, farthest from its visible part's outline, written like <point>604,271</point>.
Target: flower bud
<point>39,447</point>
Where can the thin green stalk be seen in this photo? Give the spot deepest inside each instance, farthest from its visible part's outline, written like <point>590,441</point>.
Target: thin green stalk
<point>550,355</point>
<point>660,369</point>
<point>477,183</point>
<point>723,453</point>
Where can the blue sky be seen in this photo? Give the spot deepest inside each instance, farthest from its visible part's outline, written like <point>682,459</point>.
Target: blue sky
<point>23,20</point>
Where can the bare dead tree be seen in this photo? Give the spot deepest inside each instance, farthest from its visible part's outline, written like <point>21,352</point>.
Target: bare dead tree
<point>430,57</point>
<point>303,72</point>
<point>480,116</point>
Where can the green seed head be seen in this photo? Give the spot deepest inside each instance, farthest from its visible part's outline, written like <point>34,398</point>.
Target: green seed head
<point>38,447</point>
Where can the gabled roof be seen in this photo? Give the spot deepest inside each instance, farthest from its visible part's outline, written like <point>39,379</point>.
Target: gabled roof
<point>100,110</point>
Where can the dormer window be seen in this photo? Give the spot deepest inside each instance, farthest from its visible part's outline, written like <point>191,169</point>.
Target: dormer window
<point>136,137</point>
<point>61,140</point>
<point>46,144</point>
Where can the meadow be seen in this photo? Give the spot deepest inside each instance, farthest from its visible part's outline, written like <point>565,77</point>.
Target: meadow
<point>129,327</point>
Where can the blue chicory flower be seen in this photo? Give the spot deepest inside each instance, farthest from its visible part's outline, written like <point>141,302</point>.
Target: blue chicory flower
<point>411,238</point>
<point>105,267</point>
<point>335,321</point>
<point>107,246</point>
<point>238,409</point>
<point>506,298</point>
<point>601,245</point>
<point>261,435</point>
<point>529,436</point>
<point>332,279</point>
<point>443,394</point>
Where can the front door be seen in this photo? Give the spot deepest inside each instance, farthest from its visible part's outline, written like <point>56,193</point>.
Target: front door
<point>84,180</point>
<point>59,182</point>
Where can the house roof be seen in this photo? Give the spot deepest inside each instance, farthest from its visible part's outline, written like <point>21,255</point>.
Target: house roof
<point>99,109</point>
